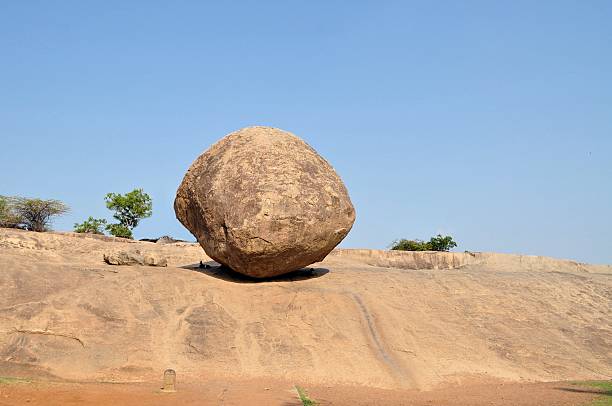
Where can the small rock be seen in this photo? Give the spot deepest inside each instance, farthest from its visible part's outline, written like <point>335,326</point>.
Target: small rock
<point>154,259</point>
<point>134,258</point>
<point>165,240</point>
<point>124,258</point>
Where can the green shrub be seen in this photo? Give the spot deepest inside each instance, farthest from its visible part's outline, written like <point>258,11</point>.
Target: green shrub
<point>437,243</point>
<point>36,214</point>
<point>91,226</point>
<point>441,243</point>
<point>119,230</point>
<point>410,245</point>
<point>8,217</point>
<point>4,206</point>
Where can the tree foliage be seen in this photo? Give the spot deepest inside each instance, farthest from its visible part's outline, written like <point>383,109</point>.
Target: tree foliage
<point>119,230</point>
<point>129,210</point>
<point>410,245</point>
<point>437,243</point>
<point>91,226</point>
<point>8,217</point>
<point>35,214</point>
<point>441,243</point>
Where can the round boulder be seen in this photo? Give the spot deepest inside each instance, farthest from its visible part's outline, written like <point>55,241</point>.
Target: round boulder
<point>263,202</point>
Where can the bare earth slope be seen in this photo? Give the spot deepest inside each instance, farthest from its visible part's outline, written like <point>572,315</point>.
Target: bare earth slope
<point>361,317</point>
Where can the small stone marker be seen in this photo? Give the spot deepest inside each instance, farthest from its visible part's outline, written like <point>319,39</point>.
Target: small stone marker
<point>169,381</point>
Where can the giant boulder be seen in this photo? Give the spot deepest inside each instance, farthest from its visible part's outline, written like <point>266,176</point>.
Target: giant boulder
<point>263,202</point>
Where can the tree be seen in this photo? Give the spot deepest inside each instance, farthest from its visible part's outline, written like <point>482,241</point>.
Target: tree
<point>8,217</point>
<point>36,214</point>
<point>129,210</point>
<point>91,226</point>
<point>440,243</point>
<point>437,243</point>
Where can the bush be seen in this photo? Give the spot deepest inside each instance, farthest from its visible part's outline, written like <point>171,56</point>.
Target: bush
<point>410,245</point>
<point>437,243</point>
<point>36,214</point>
<point>91,226</point>
<point>440,243</point>
<point>4,206</point>
<point>8,218</point>
<point>119,230</point>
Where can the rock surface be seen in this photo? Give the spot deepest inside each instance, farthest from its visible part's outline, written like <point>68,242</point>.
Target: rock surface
<point>66,315</point>
<point>264,203</point>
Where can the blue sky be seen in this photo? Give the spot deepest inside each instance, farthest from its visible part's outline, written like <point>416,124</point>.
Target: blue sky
<point>487,120</point>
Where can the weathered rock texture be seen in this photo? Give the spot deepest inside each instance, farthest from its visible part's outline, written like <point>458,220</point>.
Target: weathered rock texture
<point>263,202</point>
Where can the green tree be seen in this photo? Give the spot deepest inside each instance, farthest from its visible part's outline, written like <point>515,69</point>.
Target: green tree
<point>8,218</point>
<point>129,210</point>
<point>441,243</point>
<point>36,214</point>
<point>437,243</point>
<point>409,245</point>
<point>91,226</point>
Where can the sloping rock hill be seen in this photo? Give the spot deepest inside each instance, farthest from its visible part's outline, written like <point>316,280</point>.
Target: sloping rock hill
<point>371,318</point>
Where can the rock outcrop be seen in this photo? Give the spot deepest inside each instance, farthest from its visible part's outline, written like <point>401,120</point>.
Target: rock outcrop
<point>263,202</point>
<point>166,240</point>
<point>65,316</point>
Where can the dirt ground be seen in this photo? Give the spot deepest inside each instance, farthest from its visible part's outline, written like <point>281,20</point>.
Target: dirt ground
<point>274,392</point>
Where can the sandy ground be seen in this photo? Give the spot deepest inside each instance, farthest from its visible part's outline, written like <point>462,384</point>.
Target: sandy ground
<point>382,325</point>
<point>271,392</point>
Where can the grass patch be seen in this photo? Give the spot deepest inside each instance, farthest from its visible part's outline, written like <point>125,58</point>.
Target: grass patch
<point>306,401</point>
<point>8,380</point>
<point>605,399</point>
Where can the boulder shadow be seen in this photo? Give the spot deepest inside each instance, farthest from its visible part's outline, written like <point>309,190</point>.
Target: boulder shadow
<point>216,270</point>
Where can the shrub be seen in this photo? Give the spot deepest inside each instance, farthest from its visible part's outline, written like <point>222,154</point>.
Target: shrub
<point>129,210</point>
<point>4,206</point>
<point>8,217</point>
<point>440,243</point>
<point>410,245</point>
<point>91,226</point>
<point>437,243</point>
<point>119,230</point>
<point>36,214</point>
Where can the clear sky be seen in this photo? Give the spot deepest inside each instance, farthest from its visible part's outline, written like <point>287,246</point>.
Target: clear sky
<point>487,120</point>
